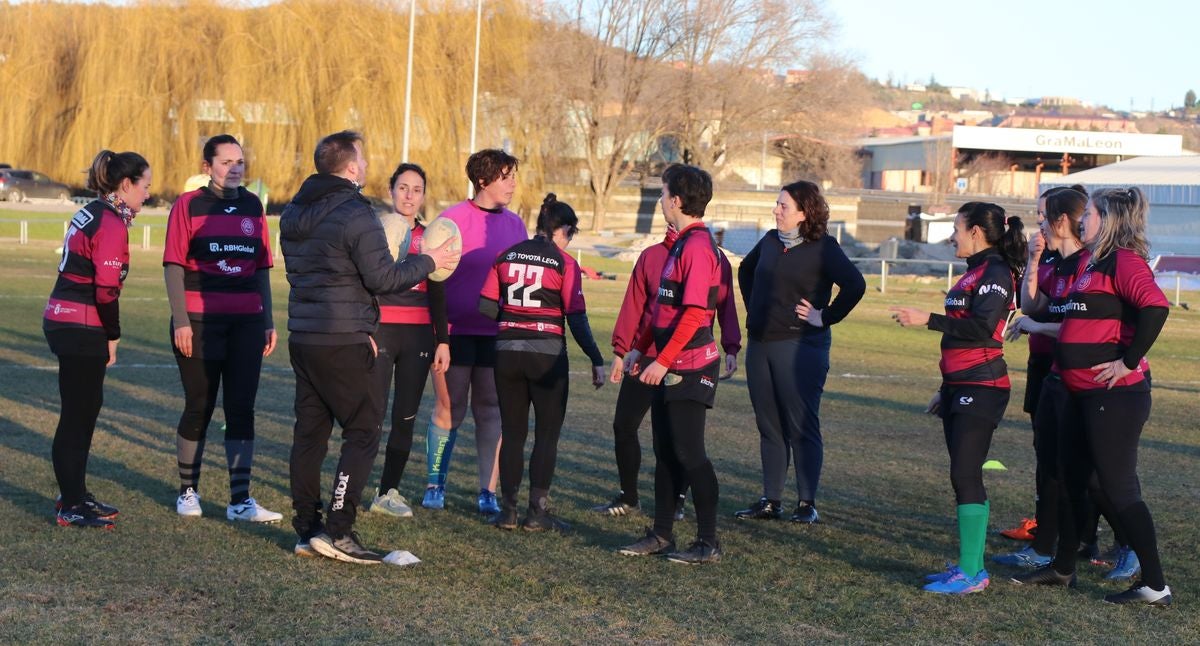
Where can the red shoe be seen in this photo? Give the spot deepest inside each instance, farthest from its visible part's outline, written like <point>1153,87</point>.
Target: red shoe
<point>1022,532</point>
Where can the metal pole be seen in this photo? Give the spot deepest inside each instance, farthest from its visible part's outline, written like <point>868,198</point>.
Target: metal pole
<point>475,87</point>
<point>412,21</point>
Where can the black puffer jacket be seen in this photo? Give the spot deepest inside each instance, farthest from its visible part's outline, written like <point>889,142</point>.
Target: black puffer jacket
<point>337,259</point>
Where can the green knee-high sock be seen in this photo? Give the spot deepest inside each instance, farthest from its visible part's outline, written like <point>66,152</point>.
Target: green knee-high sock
<point>972,536</point>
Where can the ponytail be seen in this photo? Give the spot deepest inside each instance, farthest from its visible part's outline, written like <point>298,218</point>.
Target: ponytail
<point>109,169</point>
<point>555,215</point>
<point>1013,245</point>
<point>1004,233</point>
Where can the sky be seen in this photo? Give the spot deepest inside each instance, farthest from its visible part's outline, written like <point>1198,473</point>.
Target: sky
<point>1143,54</point>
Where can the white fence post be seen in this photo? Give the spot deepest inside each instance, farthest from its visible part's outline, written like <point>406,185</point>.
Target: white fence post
<point>23,236</point>
<point>949,276</point>
<point>882,276</point>
<point>146,237</point>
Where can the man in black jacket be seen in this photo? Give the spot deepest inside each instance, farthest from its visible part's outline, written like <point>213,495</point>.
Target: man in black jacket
<point>337,260</point>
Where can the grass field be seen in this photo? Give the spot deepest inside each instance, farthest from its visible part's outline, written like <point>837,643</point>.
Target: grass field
<point>885,501</point>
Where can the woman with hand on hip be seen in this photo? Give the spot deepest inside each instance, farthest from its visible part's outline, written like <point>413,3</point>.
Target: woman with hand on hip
<point>1113,315</point>
<point>975,385</point>
<point>787,284</point>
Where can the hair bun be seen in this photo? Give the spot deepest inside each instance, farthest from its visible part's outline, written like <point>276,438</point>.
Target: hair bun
<point>1015,223</point>
<point>550,199</point>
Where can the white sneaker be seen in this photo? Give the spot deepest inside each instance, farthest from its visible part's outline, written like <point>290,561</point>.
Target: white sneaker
<point>391,504</point>
<point>251,512</point>
<point>188,504</point>
<point>304,548</point>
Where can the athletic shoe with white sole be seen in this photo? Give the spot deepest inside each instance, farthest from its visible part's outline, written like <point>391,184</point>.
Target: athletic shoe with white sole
<point>617,507</point>
<point>1127,566</point>
<point>435,498</point>
<point>805,513</point>
<point>1141,593</point>
<point>649,545</point>
<point>1026,558</point>
<point>304,548</point>
<point>251,512</point>
<point>700,551</point>
<point>188,504</point>
<point>81,516</point>
<point>391,504</point>
<point>957,582</point>
<point>507,518</point>
<point>347,549</point>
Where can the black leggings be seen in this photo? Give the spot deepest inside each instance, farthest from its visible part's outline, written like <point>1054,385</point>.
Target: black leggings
<point>633,402</point>
<point>524,378</point>
<point>226,352</point>
<point>680,456</point>
<point>81,390</point>
<point>1100,431</point>
<point>406,351</point>
<point>968,438</point>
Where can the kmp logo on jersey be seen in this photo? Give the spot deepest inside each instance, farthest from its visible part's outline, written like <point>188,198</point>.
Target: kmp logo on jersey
<point>225,267</point>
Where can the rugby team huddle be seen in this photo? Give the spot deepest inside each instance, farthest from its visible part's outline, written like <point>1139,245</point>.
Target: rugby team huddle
<point>378,304</point>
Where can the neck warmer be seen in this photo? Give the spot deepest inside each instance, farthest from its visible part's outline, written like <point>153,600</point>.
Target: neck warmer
<point>790,238</point>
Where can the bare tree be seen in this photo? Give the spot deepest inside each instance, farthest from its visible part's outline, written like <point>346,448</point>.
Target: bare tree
<point>612,103</point>
<point>729,88</point>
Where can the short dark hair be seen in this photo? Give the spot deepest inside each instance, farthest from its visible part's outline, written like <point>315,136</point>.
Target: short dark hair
<point>692,185</point>
<point>336,151</point>
<point>809,200</point>
<point>404,168</point>
<point>555,215</point>
<point>210,146</point>
<point>487,165</point>
<point>109,169</point>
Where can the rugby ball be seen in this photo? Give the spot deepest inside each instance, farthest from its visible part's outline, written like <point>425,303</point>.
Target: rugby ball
<point>437,233</point>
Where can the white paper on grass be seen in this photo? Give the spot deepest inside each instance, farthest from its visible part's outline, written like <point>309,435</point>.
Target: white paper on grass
<point>401,557</point>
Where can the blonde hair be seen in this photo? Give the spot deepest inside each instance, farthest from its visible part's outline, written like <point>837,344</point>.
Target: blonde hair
<point>1123,213</point>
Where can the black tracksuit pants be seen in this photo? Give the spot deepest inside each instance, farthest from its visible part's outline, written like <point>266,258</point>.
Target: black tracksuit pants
<point>81,388</point>
<point>333,382</point>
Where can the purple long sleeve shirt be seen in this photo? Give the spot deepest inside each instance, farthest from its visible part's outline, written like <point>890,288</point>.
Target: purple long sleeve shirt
<point>484,235</point>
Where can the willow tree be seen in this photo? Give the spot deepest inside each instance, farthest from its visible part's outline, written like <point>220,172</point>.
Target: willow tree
<point>159,77</point>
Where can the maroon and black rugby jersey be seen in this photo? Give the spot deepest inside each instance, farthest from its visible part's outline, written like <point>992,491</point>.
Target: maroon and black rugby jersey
<point>972,329</point>
<point>691,277</point>
<point>221,244</point>
<point>93,269</point>
<point>1099,319</point>
<point>535,286</point>
<point>409,307</point>
<point>1041,343</point>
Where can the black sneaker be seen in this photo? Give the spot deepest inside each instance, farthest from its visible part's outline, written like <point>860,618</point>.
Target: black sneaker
<point>102,510</point>
<point>541,520</point>
<point>650,545</point>
<point>1045,576</point>
<point>762,510</point>
<point>348,548</point>
<point>1142,593</point>
<point>700,551</point>
<point>81,516</point>
<point>805,513</point>
<point>617,507</point>
<point>507,518</point>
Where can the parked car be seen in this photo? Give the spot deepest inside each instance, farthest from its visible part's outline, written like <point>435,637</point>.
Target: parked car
<point>20,185</point>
